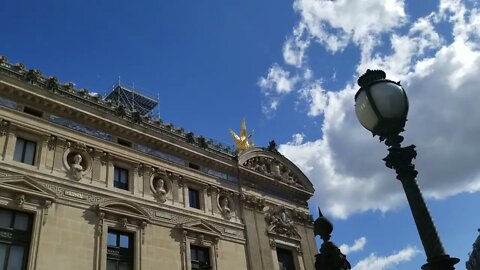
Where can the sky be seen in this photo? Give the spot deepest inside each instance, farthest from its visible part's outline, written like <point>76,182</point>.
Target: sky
<point>290,69</point>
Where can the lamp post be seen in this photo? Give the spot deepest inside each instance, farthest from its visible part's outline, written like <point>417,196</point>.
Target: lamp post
<point>330,257</point>
<point>381,106</point>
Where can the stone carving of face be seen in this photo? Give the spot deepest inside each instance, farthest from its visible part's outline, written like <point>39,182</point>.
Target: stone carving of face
<point>76,167</point>
<point>77,159</point>
<point>160,187</point>
<point>224,203</point>
<point>20,200</point>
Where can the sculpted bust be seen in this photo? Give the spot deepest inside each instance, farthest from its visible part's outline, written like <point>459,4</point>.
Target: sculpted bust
<point>224,204</point>
<point>76,167</point>
<point>160,187</point>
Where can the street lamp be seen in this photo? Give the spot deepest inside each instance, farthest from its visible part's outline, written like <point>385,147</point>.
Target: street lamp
<point>381,106</point>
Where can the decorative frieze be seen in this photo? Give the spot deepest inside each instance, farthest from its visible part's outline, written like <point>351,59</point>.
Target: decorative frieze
<point>272,167</point>
<point>62,192</point>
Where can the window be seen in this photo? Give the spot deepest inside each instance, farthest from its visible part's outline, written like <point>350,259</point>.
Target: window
<point>193,166</point>
<point>124,142</point>
<point>285,259</point>
<point>25,151</point>
<point>194,198</point>
<point>200,258</point>
<point>119,250</point>
<point>15,230</point>
<point>120,178</point>
<point>33,111</point>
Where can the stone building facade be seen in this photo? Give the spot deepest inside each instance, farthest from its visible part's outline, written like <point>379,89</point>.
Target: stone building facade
<point>473,262</point>
<point>86,183</point>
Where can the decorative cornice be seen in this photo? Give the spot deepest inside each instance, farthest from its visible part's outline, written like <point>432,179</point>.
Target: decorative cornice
<point>52,85</point>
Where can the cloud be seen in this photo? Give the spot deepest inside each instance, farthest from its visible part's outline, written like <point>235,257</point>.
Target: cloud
<point>357,246</point>
<point>316,97</point>
<point>277,81</point>
<point>441,78</point>
<point>295,47</point>
<point>276,84</point>
<point>335,23</point>
<point>297,139</point>
<point>373,262</point>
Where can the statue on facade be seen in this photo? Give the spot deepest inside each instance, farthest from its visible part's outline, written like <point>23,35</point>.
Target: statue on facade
<point>76,168</point>
<point>224,204</point>
<point>242,141</point>
<point>160,187</point>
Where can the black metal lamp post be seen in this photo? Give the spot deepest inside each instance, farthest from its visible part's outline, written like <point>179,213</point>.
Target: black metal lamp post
<point>381,106</point>
<point>330,257</point>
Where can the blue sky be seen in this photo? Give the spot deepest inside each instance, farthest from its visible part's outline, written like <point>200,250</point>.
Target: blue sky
<point>290,69</point>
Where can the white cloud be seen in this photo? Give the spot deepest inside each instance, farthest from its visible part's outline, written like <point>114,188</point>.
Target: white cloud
<point>277,81</point>
<point>316,97</point>
<point>373,262</point>
<point>357,246</point>
<point>295,47</point>
<point>442,81</point>
<point>297,139</point>
<point>336,23</point>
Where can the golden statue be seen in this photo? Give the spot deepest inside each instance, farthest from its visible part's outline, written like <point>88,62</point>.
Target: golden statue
<point>243,141</point>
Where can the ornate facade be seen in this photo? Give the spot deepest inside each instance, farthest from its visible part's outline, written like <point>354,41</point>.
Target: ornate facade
<point>86,183</point>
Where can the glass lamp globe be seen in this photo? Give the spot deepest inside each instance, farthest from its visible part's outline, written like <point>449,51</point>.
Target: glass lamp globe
<point>381,105</point>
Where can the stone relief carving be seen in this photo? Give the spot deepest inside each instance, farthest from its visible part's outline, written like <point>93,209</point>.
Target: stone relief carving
<point>75,146</point>
<point>61,191</point>
<point>272,168</point>
<point>19,200</point>
<point>302,216</point>
<point>279,221</point>
<point>4,125</point>
<point>225,204</point>
<point>140,169</point>
<point>123,222</point>
<point>160,185</point>
<point>75,167</point>
<point>252,201</point>
<point>51,142</point>
<point>105,158</point>
<point>272,243</point>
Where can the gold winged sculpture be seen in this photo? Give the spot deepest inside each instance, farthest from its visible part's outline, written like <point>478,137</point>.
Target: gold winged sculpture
<point>242,141</point>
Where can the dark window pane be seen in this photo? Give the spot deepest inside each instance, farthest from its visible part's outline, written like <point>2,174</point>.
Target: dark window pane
<point>120,250</point>
<point>29,157</point>
<point>200,258</point>
<point>123,266</point>
<point>112,239</point>
<point>21,222</point>
<point>15,258</point>
<point>193,198</point>
<point>3,254</point>
<point>111,265</point>
<point>116,171</point>
<point>120,178</point>
<point>124,241</point>
<point>18,154</point>
<point>24,151</point>
<point>5,218</point>
<point>285,259</point>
